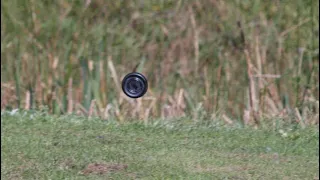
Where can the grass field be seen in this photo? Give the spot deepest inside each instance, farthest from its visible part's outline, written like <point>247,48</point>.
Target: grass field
<point>42,146</point>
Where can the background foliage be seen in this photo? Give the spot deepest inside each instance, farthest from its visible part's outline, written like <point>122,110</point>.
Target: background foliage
<point>238,61</point>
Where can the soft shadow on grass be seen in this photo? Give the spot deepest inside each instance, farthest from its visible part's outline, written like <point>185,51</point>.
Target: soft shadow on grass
<point>40,146</point>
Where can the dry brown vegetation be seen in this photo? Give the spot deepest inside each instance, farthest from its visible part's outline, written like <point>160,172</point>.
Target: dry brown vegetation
<point>252,61</point>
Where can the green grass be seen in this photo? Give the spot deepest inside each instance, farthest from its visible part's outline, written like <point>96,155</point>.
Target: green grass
<point>36,145</point>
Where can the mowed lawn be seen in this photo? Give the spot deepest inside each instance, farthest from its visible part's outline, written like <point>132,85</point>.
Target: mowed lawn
<point>40,146</point>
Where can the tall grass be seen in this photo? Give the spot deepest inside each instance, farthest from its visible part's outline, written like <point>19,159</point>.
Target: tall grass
<point>249,62</point>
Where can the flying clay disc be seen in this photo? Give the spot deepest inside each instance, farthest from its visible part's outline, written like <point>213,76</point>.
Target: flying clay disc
<point>134,85</point>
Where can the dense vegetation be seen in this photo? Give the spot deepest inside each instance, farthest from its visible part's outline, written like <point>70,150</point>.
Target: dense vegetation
<point>238,61</point>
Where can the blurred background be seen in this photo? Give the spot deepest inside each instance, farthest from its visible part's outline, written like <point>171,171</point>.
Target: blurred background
<point>238,62</point>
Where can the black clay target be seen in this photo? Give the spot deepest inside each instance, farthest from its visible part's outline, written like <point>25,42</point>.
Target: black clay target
<point>134,85</point>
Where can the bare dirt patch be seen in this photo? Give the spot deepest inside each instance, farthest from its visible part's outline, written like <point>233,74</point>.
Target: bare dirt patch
<point>102,168</point>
